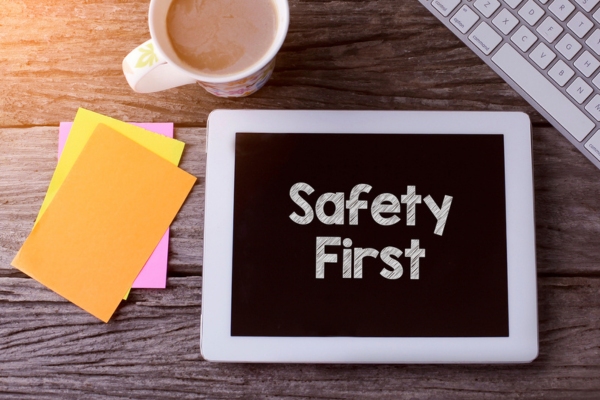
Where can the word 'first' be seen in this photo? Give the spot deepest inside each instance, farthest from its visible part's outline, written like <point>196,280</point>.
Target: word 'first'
<point>352,261</point>
<point>385,203</point>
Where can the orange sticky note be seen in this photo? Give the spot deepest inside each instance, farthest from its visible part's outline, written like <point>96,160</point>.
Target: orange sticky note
<point>104,222</point>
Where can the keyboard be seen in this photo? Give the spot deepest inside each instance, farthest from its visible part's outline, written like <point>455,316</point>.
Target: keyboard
<point>547,50</point>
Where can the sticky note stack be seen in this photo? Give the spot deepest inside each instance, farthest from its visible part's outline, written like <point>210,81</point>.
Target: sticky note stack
<point>154,273</point>
<point>115,191</point>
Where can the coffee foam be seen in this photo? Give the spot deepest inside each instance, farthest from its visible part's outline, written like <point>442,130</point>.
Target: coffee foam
<point>220,38</point>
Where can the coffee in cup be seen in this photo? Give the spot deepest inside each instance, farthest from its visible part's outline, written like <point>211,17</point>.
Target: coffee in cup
<point>223,37</point>
<point>226,46</point>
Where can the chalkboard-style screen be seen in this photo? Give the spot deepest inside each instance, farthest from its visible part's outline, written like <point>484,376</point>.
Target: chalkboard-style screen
<point>369,235</point>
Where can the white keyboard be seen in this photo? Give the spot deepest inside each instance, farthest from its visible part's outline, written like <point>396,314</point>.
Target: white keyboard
<point>547,50</point>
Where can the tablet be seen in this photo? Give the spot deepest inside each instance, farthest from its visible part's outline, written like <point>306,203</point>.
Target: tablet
<point>369,237</point>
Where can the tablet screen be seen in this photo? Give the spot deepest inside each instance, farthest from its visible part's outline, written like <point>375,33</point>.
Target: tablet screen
<point>369,235</point>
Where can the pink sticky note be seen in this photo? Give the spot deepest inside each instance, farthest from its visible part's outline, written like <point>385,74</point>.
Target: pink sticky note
<point>154,273</point>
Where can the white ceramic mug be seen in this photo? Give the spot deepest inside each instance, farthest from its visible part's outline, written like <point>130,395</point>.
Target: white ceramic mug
<point>154,66</point>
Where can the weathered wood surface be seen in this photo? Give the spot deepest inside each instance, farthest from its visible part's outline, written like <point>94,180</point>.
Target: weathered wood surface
<point>150,350</point>
<point>380,54</point>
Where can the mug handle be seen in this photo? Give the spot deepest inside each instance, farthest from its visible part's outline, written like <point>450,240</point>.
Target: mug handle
<point>147,71</point>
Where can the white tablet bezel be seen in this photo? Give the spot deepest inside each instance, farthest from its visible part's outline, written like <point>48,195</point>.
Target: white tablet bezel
<point>216,342</point>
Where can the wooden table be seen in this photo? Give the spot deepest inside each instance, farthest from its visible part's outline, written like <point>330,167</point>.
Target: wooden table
<point>56,56</point>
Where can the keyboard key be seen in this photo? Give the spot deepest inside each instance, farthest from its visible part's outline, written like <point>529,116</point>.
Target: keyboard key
<point>568,46</point>
<point>579,90</point>
<point>485,37</point>
<point>593,107</point>
<point>593,145</point>
<point>487,7</point>
<point>561,8</point>
<point>464,19</point>
<point>587,64</point>
<point>580,24</point>
<point>542,55</point>
<point>505,21</point>
<point>523,38</point>
<point>531,12</point>
<point>445,7</point>
<point>596,81</point>
<point>561,73</point>
<point>594,41</point>
<point>541,90</point>
<point>513,3</point>
<point>597,15</point>
<point>549,29</point>
<point>587,5</point>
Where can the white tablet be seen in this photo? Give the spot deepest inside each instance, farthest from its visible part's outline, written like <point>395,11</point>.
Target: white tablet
<point>369,237</point>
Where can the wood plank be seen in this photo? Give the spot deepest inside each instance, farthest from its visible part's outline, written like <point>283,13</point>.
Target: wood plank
<point>567,205</point>
<point>151,350</point>
<point>566,189</point>
<point>377,54</point>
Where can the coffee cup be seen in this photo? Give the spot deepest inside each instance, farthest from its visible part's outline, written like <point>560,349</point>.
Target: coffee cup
<point>170,60</point>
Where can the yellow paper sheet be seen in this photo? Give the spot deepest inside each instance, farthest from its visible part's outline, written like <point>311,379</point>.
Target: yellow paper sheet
<point>84,124</point>
<point>104,221</point>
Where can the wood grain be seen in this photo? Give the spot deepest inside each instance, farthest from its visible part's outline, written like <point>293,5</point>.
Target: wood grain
<point>56,56</point>
<point>378,54</point>
<point>151,350</point>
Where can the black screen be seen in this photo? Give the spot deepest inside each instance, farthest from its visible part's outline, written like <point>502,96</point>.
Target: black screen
<point>294,209</point>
